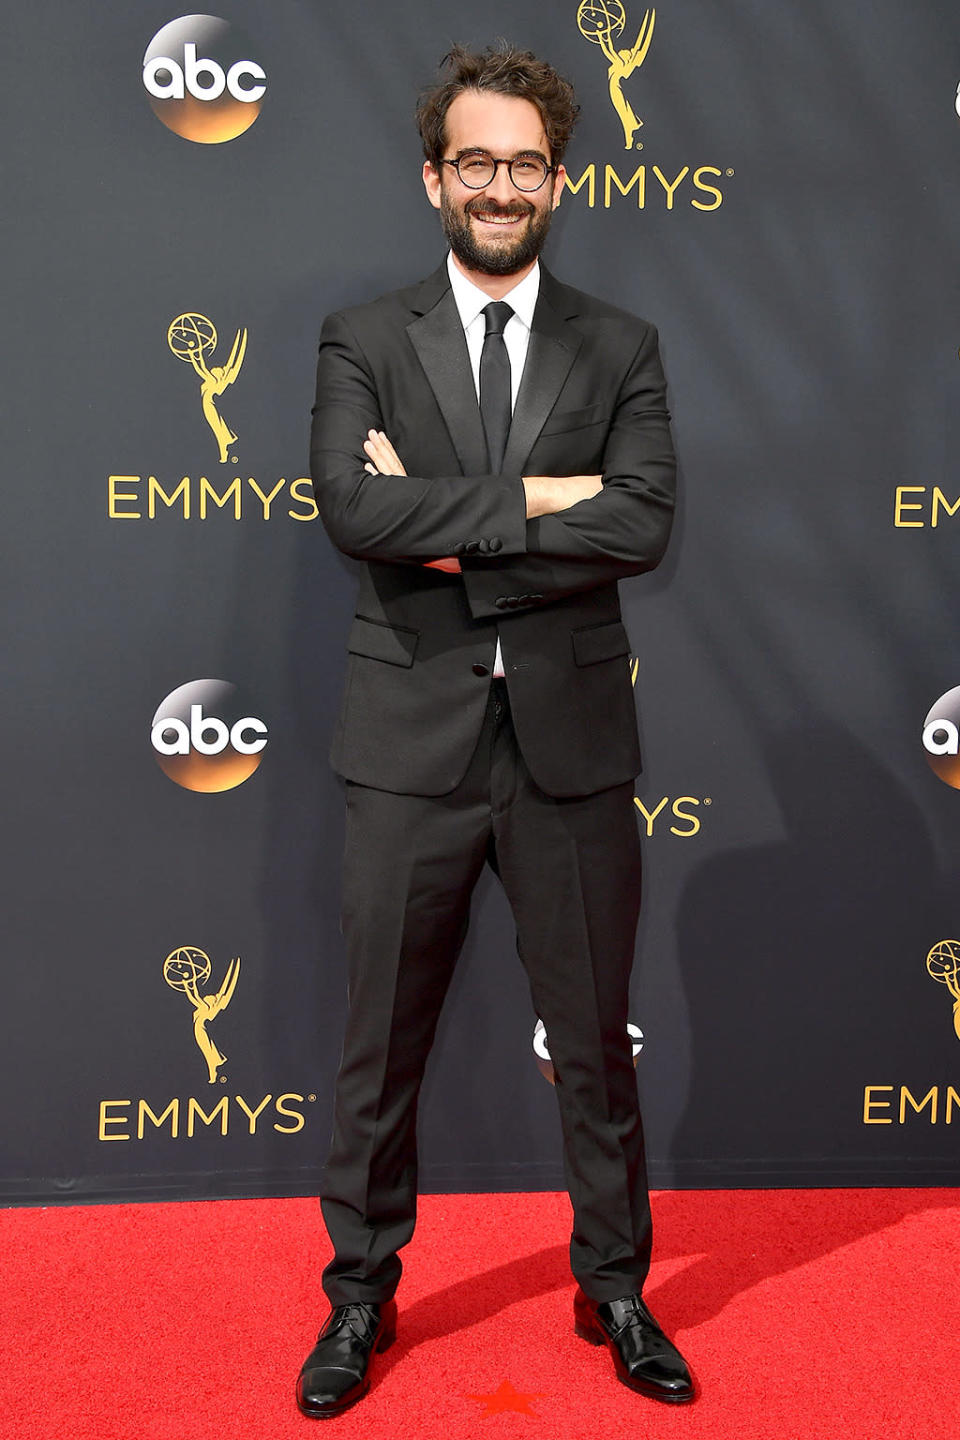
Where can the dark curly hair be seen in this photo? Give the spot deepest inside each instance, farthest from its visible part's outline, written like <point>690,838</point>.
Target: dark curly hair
<point>504,70</point>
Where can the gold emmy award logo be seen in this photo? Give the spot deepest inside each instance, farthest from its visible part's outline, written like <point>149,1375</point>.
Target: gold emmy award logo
<point>943,964</point>
<point>602,22</point>
<point>186,970</point>
<point>192,338</point>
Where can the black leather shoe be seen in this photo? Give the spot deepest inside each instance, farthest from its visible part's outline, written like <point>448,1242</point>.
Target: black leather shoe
<point>335,1374</point>
<point>643,1356</point>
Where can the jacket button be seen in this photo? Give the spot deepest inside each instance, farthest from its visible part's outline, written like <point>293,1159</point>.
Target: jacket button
<point>471,547</point>
<point>459,548</point>
<point>513,601</point>
<point>483,546</point>
<point>495,543</point>
<point>534,597</point>
<point>479,669</point>
<point>501,602</point>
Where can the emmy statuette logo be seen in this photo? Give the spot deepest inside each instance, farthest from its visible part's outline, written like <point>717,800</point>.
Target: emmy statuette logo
<point>617,181</point>
<point>943,965</point>
<point>909,1104</point>
<point>199,80</point>
<point>542,1052</point>
<point>186,970</point>
<point>602,22</point>
<point>192,338</point>
<point>165,1118</point>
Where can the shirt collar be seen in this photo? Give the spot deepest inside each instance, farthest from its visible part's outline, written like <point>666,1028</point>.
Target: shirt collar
<point>471,300</point>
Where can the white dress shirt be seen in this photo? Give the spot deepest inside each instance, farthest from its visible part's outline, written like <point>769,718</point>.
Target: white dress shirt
<point>470,302</point>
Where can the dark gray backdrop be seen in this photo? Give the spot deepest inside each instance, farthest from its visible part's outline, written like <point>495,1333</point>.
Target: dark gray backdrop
<point>789,647</point>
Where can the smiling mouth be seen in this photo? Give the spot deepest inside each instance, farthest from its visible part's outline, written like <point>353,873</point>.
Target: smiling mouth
<point>498,217</point>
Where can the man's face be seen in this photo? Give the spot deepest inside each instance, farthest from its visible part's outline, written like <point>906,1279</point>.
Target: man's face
<point>498,230</point>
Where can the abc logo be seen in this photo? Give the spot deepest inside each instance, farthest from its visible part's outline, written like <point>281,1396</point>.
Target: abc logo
<point>204,737</point>
<point>200,82</point>
<point>544,1062</point>
<point>941,738</point>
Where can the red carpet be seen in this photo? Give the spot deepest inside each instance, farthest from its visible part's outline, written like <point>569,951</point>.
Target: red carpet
<point>807,1315</point>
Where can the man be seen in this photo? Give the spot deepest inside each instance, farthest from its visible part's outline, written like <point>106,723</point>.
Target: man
<point>495,447</point>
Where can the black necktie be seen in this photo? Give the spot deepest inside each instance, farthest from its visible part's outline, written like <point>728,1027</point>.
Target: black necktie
<point>495,406</point>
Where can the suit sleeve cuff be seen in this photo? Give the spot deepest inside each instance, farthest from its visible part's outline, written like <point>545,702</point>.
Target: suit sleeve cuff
<point>503,525</point>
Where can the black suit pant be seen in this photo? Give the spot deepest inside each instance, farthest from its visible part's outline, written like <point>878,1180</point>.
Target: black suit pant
<point>571,872</point>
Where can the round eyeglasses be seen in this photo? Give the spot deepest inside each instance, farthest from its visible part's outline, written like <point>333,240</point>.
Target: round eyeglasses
<point>477,169</point>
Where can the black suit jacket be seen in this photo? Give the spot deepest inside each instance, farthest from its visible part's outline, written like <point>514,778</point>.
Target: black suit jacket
<point>421,648</point>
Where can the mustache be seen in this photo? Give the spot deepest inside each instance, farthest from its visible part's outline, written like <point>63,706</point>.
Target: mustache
<point>491,207</point>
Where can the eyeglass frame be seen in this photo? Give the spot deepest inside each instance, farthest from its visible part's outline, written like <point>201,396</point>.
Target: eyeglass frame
<point>523,155</point>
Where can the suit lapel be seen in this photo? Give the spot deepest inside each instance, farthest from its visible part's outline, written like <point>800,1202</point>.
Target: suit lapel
<point>551,352</point>
<point>438,338</point>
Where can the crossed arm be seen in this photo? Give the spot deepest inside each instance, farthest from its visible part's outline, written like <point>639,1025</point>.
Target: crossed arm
<point>558,534</point>
<point>545,494</point>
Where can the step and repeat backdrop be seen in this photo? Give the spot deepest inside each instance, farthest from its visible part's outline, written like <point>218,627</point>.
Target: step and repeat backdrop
<point>187,196</point>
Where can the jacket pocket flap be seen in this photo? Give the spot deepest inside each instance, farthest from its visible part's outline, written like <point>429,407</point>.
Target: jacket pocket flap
<point>379,641</point>
<point>599,642</point>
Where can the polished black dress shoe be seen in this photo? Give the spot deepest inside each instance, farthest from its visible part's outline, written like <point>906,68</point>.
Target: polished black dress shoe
<point>336,1374</point>
<point>643,1356</point>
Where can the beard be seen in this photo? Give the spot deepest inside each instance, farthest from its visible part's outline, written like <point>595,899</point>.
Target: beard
<point>493,256</point>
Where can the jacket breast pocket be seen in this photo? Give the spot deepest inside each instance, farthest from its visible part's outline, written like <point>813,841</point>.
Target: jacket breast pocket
<point>396,644</point>
<point>594,643</point>
<point>563,421</point>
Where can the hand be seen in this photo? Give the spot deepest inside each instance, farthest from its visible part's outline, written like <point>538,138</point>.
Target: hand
<point>386,461</point>
<point>548,494</point>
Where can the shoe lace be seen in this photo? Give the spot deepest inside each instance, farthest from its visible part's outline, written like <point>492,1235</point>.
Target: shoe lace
<point>357,1318</point>
<point>635,1310</point>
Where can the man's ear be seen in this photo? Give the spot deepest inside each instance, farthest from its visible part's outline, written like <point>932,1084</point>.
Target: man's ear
<point>431,183</point>
<point>558,183</point>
